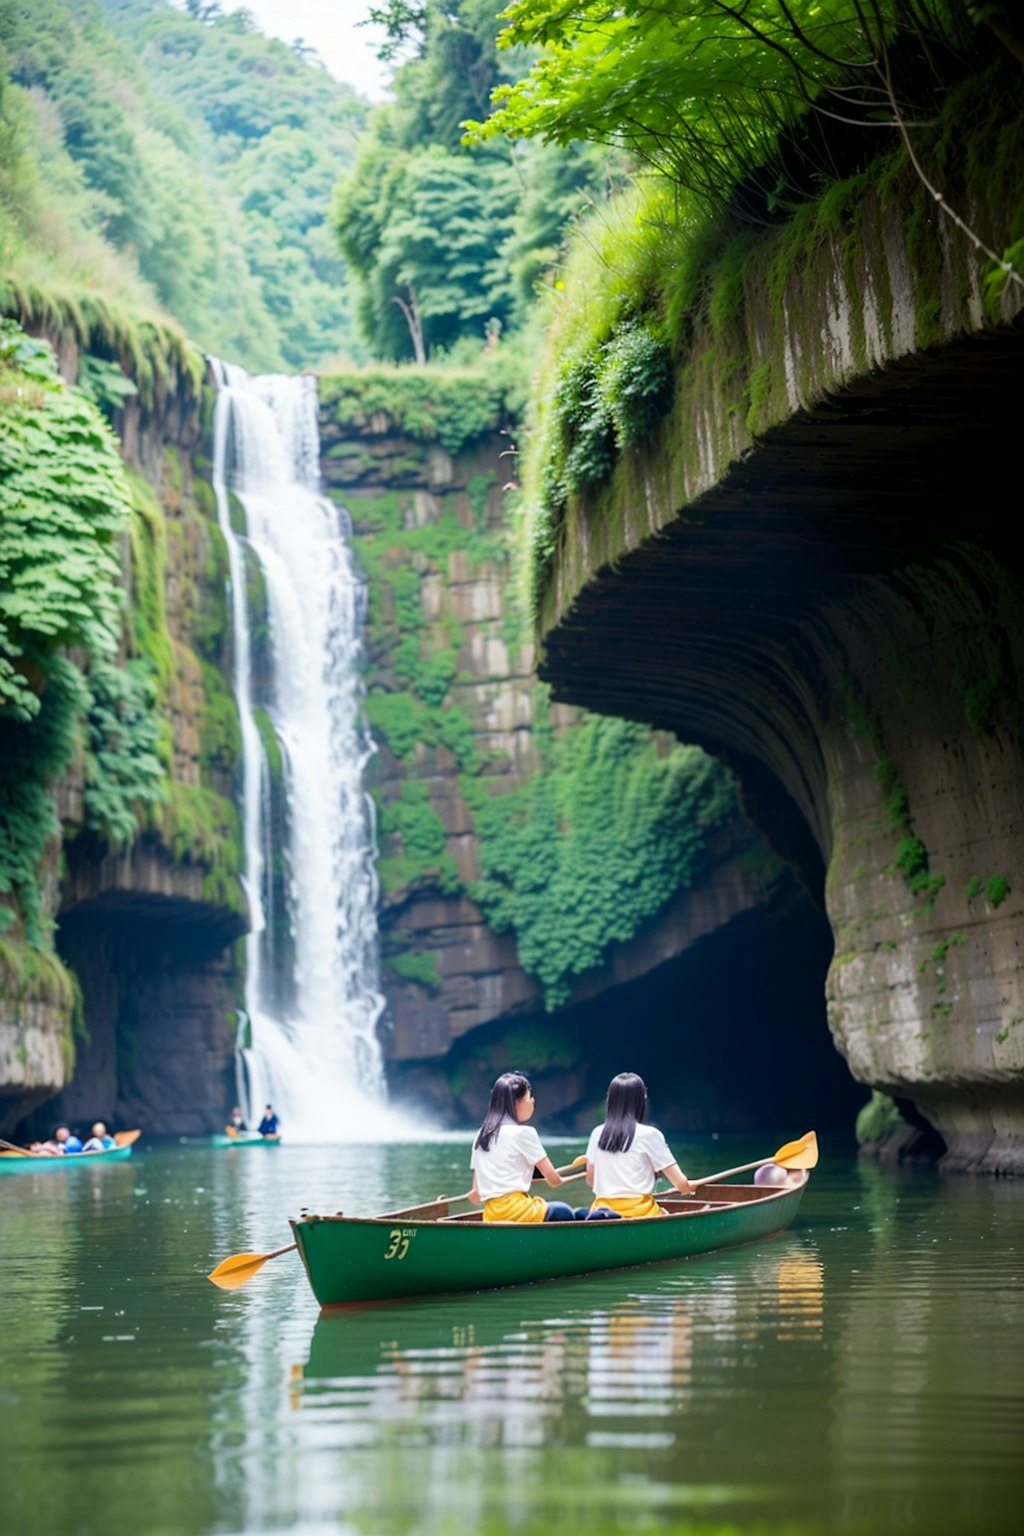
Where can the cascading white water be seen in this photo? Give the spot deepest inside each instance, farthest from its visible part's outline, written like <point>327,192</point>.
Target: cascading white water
<point>317,1058</point>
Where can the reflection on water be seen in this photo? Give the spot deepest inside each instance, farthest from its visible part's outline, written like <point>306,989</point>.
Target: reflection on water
<point>800,1282</point>
<point>859,1373</point>
<point>610,1394</point>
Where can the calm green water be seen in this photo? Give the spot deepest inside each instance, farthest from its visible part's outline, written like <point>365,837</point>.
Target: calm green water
<point>864,1372</point>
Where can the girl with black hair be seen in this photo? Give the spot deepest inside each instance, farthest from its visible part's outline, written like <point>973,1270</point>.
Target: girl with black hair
<point>625,1156</point>
<point>505,1153</point>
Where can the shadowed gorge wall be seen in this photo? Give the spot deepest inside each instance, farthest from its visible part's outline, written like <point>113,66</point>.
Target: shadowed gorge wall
<point>811,572</point>
<point>727,1032</point>
<point>461,724</point>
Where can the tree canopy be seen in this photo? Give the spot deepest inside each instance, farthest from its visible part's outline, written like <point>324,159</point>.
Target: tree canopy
<point>447,241</point>
<point>704,91</point>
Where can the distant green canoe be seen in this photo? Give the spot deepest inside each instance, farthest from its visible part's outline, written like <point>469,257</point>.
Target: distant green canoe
<point>428,1252</point>
<point>15,1162</point>
<point>245,1139</point>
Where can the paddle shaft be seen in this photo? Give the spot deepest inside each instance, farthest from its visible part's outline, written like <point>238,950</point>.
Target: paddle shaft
<point>727,1173</point>
<point>290,1248</point>
<point>21,1151</point>
<point>566,1174</point>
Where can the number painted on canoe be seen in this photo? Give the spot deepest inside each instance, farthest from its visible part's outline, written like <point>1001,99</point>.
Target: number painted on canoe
<point>398,1242</point>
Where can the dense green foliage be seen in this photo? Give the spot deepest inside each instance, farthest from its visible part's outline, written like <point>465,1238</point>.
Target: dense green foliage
<point>878,1120</point>
<point>33,753</point>
<point>448,243</point>
<point>707,92</point>
<point>453,406</point>
<point>587,851</point>
<point>64,503</point>
<point>69,510</point>
<point>123,770</point>
<point>169,160</point>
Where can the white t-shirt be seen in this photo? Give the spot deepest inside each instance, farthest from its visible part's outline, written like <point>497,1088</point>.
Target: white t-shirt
<point>618,1175</point>
<point>509,1161</point>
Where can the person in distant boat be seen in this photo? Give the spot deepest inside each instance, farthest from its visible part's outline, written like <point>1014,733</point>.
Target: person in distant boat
<point>269,1125</point>
<point>625,1156</point>
<point>236,1123</point>
<point>63,1140</point>
<point>505,1153</point>
<point>100,1140</point>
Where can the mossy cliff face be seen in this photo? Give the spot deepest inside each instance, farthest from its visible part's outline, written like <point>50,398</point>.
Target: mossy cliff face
<point>449,681</point>
<point>476,775</point>
<point>832,605</point>
<point>140,883</point>
<point>150,929</point>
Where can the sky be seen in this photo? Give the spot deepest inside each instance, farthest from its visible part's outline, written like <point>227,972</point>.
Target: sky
<point>331,27</point>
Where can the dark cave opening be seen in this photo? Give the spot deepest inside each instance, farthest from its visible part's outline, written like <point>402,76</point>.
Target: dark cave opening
<point>159,1010</point>
<point>730,1036</point>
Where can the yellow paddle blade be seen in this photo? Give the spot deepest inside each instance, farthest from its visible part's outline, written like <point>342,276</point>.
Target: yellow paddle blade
<point>126,1138</point>
<point>799,1154</point>
<point>237,1268</point>
<point>235,1278</point>
<point>237,1264</point>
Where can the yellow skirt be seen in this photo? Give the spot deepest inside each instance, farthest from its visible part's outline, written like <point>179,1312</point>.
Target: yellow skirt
<point>630,1206</point>
<point>516,1206</point>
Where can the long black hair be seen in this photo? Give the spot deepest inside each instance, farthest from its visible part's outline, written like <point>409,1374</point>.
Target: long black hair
<point>626,1106</point>
<point>505,1095</point>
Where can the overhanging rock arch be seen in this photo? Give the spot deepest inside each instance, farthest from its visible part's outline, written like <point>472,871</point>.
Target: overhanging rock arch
<point>826,590</point>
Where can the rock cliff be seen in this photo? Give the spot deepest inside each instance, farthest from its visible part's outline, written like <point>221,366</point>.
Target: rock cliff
<point>144,925</point>
<point>810,571</point>
<point>429,529</point>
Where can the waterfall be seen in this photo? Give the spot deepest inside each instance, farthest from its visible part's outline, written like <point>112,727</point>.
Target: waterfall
<point>311,1048</point>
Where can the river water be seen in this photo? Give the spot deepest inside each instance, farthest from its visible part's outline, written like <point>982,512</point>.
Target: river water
<point>863,1372</point>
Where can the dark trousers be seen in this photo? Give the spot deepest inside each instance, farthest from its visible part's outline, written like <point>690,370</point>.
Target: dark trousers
<point>558,1211</point>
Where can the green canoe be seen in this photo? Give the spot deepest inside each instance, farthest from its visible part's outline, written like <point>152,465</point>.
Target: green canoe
<point>14,1162</point>
<point>428,1252</point>
<point>245,1139</point>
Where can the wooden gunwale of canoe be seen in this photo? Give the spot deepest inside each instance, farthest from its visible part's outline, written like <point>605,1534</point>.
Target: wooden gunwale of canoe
<point>353,1261</point>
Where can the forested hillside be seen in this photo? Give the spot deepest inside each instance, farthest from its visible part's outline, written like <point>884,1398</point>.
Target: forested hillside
<point>171,163</point>
<point>448,241</point>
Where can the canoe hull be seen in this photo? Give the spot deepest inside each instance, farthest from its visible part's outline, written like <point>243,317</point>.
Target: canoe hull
<point>12,1163</point>
<point>249,1139</point>
<point>351,1261</point>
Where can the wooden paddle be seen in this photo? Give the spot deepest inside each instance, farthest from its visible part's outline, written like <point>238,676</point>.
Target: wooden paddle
<point>9,1146</point>
<point>237,1268</point>
<point>795,1154</point>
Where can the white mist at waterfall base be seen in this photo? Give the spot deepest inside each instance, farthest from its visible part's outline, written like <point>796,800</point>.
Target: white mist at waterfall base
<point>318,1059</point>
